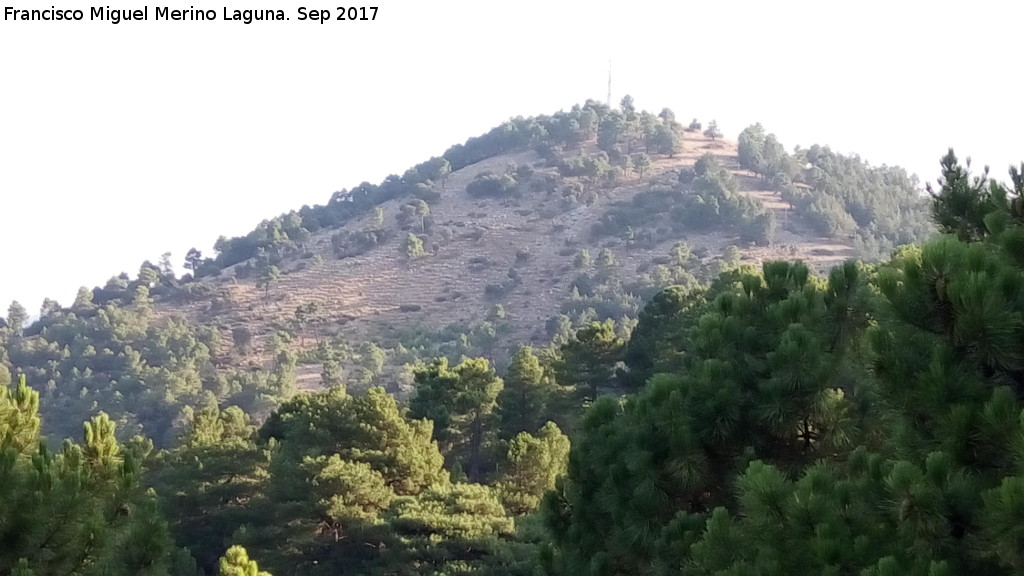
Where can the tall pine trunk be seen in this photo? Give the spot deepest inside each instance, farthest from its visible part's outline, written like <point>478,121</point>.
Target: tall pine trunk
<point>475,440</point>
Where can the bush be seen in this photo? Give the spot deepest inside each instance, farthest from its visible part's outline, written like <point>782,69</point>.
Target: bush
<point>498,289</point>
<point>349,244</point>
<point>427,195</point>
<point>488,184</point>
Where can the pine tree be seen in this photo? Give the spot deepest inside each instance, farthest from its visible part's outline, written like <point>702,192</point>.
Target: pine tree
<point>331,375</point>
<point>79,510</point>
<point>641,163</point>
<point>236,562</point>
<point>16,317</point>
<point>532,466</point>
<point>206,483</point>
<point>657,344</point>
<point>414,246</point>
<point>422,211</point>
<point>582,259</point>
<point>757,379</point>
<point>523,399</point>
<point>460,400</point>
<point>588,360</point>
<point>713,132</point>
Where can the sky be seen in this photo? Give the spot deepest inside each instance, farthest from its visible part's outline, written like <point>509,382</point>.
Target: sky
<point>119,143</point>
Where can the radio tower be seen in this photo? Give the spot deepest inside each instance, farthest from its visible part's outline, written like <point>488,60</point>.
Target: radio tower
<point>609,83</point>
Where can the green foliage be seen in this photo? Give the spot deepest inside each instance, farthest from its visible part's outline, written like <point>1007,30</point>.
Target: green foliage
<point>667,140</point>
<point>460,400</point>
<point>712,131</point>
<point>758,379</point>
<point>453,511</point>
<point>490,184</point>
<point>587,361</point>
<point>414,246</point>
<point>710,200</point>
<point>819,427</point>
<point>525,396</point>
<point>356,487</point>
<point>267,273</point>
<point>347,490</point>
<point>141,370</point>
<point>81,510</point>
<point>366,428</point>
<point>206,483</point>
<point>976,208</point>
<point>771,422</point>
<point>416,212</point>
<point>582,259</point>
<point>236,562</point>
<point>750,146</point>
<point>641,163</point>
<point>347,244</point>
<point>19,417</point>
<point>532,466</point>
<point>16,317</point>
<point>657,342</point>
<point>715,203</point>
<point>880,208</point>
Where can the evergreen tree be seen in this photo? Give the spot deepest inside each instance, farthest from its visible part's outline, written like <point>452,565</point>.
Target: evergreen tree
<point>330,376</point>
<point>666,140</point>
<point>193,261</point>
<point>523,400</point>
<point>148,274</point>
<point>83,300</point>
<point>588,360</point>
<point>751,148</point>
<point>460,401</point>
<point>758,379</point>
<point>236,562</point>
<point>16,317</point>
<point>207,482</point>
<point>49,308</point>
<point>414,246</point>
<point>657,343</point>
<point>582,259</point>
<point>81,510</point>
<point>963,202</point>
<point>641,163</point>
<point>712,131</point>
<point>532,466</point>
<point>267,274</point>
<point>422,211</point>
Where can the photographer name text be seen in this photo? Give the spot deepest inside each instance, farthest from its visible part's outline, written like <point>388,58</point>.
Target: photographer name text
<point>191,14</point>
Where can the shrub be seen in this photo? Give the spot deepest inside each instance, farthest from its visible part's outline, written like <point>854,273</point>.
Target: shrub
<point>488,184</point>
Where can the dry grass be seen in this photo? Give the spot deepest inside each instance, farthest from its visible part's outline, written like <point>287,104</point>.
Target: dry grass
<point>362,295</point>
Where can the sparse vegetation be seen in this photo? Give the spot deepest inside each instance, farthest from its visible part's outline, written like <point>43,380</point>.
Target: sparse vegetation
<point>601,367</point>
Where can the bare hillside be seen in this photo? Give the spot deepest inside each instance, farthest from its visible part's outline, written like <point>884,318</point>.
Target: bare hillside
<point>375,295</point>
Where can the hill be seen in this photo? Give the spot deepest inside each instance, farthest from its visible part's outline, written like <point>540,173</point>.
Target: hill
<point>519,236</point>
<point>879,405</point>
<point>518,248</point>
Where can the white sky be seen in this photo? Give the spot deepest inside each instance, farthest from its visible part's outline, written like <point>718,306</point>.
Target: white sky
<point>121,142</point>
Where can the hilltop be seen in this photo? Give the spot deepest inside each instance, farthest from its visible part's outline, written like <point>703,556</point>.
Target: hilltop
<point>499,265</point>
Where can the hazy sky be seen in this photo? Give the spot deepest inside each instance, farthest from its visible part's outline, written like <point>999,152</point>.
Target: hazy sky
<point>121,142</point>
